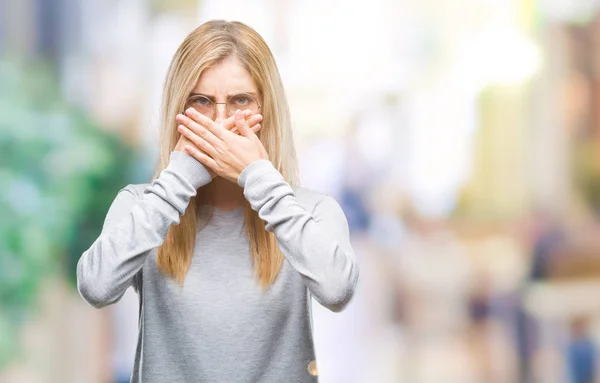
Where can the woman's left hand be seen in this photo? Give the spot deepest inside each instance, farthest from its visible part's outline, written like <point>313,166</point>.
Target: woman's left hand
<point>221,150</point>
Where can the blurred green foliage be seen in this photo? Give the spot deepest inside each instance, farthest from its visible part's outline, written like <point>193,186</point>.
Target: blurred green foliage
<point>59,173</point>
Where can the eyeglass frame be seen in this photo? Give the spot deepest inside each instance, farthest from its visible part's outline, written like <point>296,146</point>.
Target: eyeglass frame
<point>214,104</point>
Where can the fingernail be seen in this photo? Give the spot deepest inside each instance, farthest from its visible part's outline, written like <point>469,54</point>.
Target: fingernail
<point>190,111</point>
<point>180,128</point>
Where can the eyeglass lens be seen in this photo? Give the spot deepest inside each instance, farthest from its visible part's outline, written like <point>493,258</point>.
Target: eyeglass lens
<point>207,107</point>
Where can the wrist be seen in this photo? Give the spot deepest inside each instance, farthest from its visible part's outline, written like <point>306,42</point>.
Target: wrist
<point>254,170</point>
<point>189,168</point>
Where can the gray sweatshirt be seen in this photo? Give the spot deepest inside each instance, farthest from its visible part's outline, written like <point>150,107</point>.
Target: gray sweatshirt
<point>220,326</point>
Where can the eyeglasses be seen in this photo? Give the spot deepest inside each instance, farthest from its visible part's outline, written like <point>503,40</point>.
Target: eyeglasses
<point>208,107</point>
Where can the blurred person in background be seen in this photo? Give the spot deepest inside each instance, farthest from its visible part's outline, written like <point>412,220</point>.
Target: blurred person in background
<point>223,247</point>
<point>581,352</point>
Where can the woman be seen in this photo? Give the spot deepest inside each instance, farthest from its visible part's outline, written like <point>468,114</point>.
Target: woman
<point>222,247</point>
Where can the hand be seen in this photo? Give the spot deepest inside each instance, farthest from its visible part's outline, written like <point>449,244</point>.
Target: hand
<point>218,148</point>
<point>229,124</point>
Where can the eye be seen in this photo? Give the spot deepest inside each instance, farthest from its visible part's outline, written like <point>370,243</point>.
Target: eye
<point>241,100</point>
<point>200,101</point>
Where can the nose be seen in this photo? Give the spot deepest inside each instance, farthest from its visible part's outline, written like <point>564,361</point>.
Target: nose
<point>220,112</point>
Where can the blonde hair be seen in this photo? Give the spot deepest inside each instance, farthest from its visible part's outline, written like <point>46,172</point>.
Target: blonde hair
<point>205,47</point>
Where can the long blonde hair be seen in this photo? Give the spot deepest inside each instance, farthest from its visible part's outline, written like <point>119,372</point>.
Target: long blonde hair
<point>207,46</point>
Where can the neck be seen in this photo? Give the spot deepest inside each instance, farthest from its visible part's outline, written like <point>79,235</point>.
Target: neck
<point>226,195</point>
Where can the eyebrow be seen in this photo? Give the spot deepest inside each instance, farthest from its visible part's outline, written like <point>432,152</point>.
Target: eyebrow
<point>213,98</point>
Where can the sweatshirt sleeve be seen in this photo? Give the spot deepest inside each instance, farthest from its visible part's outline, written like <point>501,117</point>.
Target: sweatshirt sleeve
<point>135,225</point>
<point>315,243</point>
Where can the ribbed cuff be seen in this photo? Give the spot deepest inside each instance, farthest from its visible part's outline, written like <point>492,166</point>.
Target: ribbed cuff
<point>190,168</point>
<point>254,171</point>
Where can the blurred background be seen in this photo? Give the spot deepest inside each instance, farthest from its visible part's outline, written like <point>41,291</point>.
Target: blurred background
<point>461,137</point>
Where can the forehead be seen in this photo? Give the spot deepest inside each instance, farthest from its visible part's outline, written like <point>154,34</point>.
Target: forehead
<point>228,76</point>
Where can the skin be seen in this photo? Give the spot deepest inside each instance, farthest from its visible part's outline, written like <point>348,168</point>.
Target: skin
<point>226,146</point>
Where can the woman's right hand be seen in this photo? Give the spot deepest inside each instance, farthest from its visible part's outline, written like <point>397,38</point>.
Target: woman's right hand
<point>253,121</point>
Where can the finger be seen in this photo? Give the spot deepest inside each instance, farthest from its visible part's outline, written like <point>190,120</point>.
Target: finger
<point>197,140</point>
<point>242,125</point>
<point>201,157</point>
<point>254,128</point>
<point>198,129</point>
<point>197,117</point>
<point>216,129</point>
<point>229,123</point>
<point>253,119</point>
<point>254,125</point>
